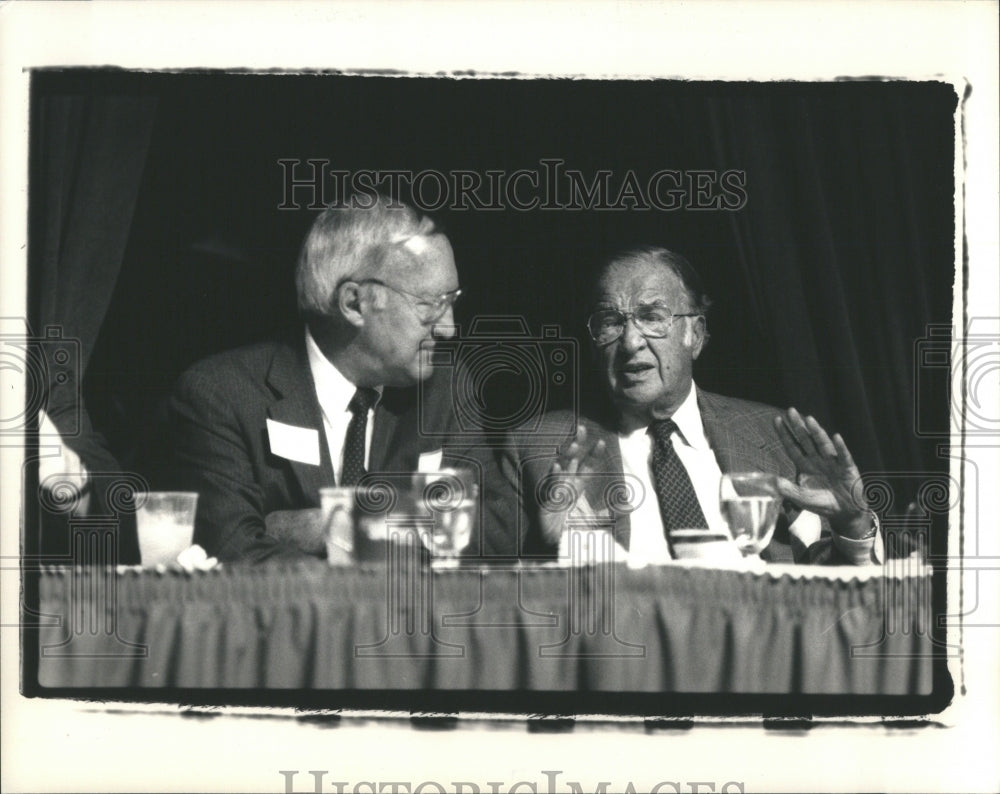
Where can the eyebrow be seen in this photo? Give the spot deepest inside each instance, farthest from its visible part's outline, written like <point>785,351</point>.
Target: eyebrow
<point>604,303</point>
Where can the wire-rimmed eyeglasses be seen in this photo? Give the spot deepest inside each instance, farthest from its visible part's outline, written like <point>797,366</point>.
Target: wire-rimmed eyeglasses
<point>429,308</point>
<point>651,320</point>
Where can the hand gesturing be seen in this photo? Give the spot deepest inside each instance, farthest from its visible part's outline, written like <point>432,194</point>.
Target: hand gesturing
<point>574,463</point>
<point>829,481</point>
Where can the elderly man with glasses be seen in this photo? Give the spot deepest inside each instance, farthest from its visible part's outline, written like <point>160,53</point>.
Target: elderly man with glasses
<point>258,431</point>
<point>651,462</point>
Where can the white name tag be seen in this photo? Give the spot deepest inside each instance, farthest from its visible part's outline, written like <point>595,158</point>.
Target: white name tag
<point>293,443</point>
<point>430,461</point>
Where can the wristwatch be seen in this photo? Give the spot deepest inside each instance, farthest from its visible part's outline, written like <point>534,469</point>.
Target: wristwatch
<point>873,529</point>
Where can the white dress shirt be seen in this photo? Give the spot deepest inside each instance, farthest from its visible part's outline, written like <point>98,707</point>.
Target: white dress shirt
<point>335,393</point>
<point>647,544</point>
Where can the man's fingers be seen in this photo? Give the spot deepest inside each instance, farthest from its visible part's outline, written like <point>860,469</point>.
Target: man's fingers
<point>596,453</point>
<point>576,446</point>
<point>820,438</point>
<point>588,446</point>
<point>580,450</point>
<point>577,460</point>
<point>803,434</point>
<point>577,443</point>
<point>843,452</point>
<point>788,490</point>
<point>791,444</point>
<point>792,421</point>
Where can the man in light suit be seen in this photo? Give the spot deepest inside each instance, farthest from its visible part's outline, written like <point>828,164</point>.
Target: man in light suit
<point>258,431</point>
<point>653,460</point>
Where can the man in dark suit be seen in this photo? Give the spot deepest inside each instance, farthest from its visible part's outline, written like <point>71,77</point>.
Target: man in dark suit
<point>258,431</point>
<point>651,462</point>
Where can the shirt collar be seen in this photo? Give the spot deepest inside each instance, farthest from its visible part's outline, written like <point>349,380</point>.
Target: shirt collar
<point>688,420</point>
<point>333,390</point>
<point>687,417</point>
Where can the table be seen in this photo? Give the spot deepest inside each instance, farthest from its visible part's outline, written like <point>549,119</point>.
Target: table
<point>676,628</point>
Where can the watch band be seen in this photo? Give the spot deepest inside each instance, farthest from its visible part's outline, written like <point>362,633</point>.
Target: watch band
<point>873,529</point>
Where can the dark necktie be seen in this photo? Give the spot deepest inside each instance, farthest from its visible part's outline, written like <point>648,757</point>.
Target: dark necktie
<point>679,507</point>
<point>354,440</point>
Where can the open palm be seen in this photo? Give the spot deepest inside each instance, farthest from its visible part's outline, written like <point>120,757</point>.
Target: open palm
<point>829,482</point>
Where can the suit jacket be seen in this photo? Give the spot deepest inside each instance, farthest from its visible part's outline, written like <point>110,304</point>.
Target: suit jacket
<point>218,418</point>
<point>741,434</point>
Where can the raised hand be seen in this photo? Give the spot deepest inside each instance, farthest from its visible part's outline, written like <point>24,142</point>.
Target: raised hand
<point>829,482</point>
<point>574,462</point>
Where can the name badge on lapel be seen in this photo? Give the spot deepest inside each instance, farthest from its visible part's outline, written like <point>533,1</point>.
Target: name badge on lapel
<point>293,443</point>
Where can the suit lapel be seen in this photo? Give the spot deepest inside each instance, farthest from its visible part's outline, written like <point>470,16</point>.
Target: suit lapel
<point>613,472</point>
<point>386,422</point>
<point>296,404</point>
<point>741,445</point>
<point>737,444</point>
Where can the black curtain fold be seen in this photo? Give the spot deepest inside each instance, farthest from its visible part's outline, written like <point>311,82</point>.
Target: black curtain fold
<point>88,155</point>
<point>845,233</point>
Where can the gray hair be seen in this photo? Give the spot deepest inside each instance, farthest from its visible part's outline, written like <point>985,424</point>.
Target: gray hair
<point>351,240</point>
<point>675,263</point>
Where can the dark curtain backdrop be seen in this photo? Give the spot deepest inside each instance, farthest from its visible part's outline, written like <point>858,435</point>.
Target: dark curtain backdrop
<point>824,282</point>
<point>88,152</point>
<point>844,251</point>
<point>88,155</point>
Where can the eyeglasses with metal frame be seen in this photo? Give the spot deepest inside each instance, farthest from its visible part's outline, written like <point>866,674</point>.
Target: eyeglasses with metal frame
<point>429,308</point>
<point>652,320</point>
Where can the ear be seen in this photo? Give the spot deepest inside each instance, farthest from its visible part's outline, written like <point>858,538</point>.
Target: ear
<point>350,303</point>
<point>696,336</point>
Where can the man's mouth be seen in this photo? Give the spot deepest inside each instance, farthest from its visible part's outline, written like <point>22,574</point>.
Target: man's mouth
<point>635,369</point>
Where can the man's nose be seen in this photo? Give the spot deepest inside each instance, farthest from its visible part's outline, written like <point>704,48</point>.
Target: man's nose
<point>445,327</point>
<point>632,339</point>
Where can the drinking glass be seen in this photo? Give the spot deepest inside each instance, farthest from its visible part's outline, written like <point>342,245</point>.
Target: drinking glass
<point>451,498</point>
<point>337,506</point>
<point>165,525</point>
<point>750,504</point>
